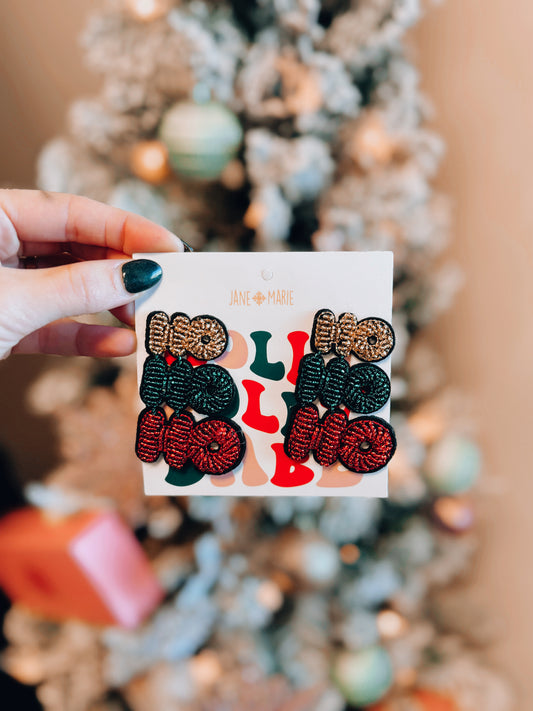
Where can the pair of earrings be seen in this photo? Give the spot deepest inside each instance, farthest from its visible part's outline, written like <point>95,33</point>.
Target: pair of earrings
<point>216,444</point>
<point>364,444</point>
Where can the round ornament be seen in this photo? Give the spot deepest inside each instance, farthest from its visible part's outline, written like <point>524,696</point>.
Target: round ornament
<point>453,513</point>
<point>370,145</point>
<point>149,161</point>
<point>363,677</point>
<point>233,176</point>
<point>349,553</point>
<point>453,465</point>
<point>201,139</point>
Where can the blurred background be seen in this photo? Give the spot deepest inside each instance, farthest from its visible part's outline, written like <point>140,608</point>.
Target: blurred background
<point>474,62</point>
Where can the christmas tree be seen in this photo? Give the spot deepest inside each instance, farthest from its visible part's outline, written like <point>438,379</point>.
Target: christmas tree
<point>269,125</point>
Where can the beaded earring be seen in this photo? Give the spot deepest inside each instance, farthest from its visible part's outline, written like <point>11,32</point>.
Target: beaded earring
<point>214,445</point>
<point>366,443</point>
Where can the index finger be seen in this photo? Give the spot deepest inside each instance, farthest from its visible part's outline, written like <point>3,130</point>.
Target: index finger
<point>58,217</point>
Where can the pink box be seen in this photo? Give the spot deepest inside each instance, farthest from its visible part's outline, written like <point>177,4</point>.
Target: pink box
<point>88,566</point>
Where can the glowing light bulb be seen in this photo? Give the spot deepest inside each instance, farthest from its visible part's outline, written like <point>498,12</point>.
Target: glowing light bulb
<point>149,161</point>
<point>391,624</point>
<point>370,143</point>
<point>205,668</point>
<point>349,553</point>
<point>148,10</point>
<point>269,595</point>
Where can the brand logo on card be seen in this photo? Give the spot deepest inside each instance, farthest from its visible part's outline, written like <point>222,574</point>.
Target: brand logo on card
<point>272,297</point>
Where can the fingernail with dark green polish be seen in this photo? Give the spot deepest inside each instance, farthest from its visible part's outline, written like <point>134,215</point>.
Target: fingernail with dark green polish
<point>140,274</point>
<point>186,246</point>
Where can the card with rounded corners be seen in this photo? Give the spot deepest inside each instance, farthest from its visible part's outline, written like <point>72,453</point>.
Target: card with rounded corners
<point>297,403</point>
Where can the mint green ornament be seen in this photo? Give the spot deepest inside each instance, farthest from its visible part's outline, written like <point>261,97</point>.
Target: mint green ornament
<point>453,465</point>
<point>201,139</point>
<point>363,677</point>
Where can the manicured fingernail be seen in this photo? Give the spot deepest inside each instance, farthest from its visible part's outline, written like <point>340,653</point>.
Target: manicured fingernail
<point>186,246</point>
<point>140,274</point>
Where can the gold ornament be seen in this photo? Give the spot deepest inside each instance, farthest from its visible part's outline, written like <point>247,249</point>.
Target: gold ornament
<point>349,553</point>
<point>454,513</point>
<point>233,175</point>
<point>370,144</point>
<point>148,10</point>
<point>254,215</point>
<point>149,161</point>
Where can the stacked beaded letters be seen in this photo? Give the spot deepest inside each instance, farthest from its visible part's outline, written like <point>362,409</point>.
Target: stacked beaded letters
<point>214,445</point>
<point>364,444</point>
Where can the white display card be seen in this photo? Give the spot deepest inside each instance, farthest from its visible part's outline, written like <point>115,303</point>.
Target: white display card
<point>267,302</point>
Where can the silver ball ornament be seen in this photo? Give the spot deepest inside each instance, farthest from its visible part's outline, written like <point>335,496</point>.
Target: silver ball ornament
<point>453,465</point>
<point>201,138</point>
<point>363,677</point>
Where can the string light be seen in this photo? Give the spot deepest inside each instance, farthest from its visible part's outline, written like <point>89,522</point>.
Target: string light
<point>233,176</point>
<point>370,143</point>
<point>25,667</point>
<point>254,215</point>
<point>205,668</point>
<point>349,553</point>
<point>148,10</point>
<point>269,595</point>
<point>149,161</point>
<point>391,624</point>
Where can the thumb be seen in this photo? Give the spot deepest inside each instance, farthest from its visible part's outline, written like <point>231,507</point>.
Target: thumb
<point>31,299</point>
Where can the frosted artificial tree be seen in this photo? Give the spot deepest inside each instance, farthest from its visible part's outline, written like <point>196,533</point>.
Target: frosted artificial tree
<point>269,125</point>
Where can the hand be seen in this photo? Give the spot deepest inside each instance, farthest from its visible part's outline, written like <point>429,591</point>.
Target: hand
<point>91,242</point>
